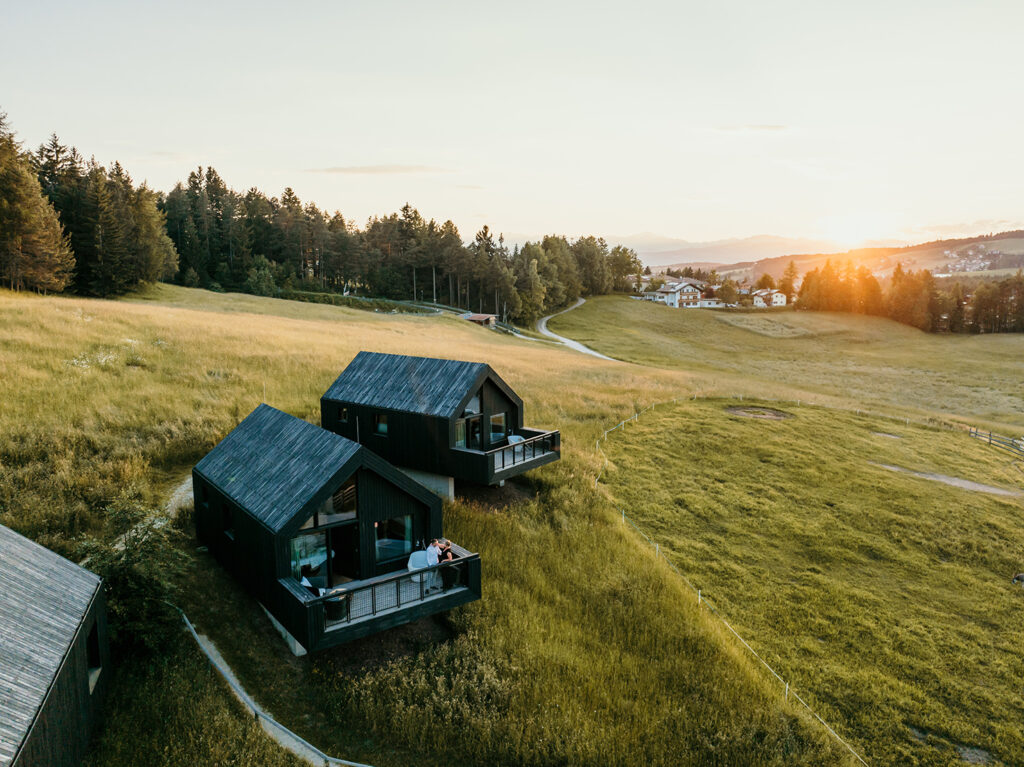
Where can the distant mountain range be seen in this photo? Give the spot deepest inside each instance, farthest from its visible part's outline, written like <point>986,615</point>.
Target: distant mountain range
<point>767,254</point>
<point>656,250</point>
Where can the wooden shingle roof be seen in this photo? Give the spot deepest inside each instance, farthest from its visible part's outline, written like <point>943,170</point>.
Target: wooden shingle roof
<point>43,599</point>
<point>422,385</point>
<point>272,464</point>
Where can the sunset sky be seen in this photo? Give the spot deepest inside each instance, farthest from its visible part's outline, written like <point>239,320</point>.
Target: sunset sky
<point>848,121</point>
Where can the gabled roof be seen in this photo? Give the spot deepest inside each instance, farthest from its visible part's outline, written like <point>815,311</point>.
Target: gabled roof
<point>43,599</point>
<point>421,385</point>
<point>272,464</point>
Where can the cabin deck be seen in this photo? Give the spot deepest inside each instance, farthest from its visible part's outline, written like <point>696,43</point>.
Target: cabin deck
<point>382,600</point>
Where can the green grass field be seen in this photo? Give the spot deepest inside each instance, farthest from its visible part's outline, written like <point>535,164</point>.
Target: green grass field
<point>585,649</point>
<point>836,359</point>
<point>885,597</point>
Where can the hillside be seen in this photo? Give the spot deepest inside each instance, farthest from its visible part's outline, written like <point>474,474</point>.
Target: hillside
<point>584,650</point>
<point>837,359</point>
<point>881,261</point>
<point>885,594</point>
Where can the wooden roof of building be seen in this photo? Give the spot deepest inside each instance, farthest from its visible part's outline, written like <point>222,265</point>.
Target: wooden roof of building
<point>272,464</point>
<point>421,385</point>
<point>43,600</point>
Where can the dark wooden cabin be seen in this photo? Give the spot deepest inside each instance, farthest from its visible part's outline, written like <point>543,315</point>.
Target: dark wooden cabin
<point>445,417</point>
<point>54,657</point>
<point>319,529</point>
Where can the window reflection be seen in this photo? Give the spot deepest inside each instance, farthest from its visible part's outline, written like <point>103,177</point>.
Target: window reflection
<point>394,538</point>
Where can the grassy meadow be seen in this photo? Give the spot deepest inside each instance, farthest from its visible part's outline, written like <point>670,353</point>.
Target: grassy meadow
<point>883,597</point>
<point>836,359</point>
<point>585,650</point>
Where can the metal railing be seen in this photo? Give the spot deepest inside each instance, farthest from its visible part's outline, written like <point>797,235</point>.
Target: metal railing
<point>1015,446</point>
<point>353,602</point>
<point>510,455</point>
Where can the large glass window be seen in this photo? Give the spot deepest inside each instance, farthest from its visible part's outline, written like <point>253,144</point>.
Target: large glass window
<point>309,558</point>
<point>342,415</point>
<point>380,424</point>
<point>394,538</point>
<point>460,433</point>
<point>497,428</point>
<point>473,407</point>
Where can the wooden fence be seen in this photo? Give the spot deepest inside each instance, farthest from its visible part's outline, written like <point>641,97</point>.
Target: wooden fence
<point>1015,446</point>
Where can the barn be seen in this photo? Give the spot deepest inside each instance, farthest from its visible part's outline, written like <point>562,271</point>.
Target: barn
<point>54,656</point>
<point>320,530</point>
<point>442,418</point>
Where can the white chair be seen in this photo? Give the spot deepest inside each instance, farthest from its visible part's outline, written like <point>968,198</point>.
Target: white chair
<point>417,561</point>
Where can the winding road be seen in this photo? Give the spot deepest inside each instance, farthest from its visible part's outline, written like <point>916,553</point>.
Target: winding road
<point>542,328</point>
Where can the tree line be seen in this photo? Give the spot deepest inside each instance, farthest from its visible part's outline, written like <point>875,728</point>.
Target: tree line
<point>70,224</point>
<point>917,298</point>
<point>269,245</point>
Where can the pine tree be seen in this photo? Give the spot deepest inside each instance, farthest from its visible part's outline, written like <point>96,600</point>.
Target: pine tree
<point>34,252</point>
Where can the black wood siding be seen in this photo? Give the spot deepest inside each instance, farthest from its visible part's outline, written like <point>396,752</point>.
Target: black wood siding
<point>423,442</point>
<point>260,559</point>
<point>61,731</point>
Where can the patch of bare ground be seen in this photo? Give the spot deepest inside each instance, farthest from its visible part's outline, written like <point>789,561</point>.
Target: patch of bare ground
<point>764,413</point>
<point>969,754</point>
<point>514,491</point>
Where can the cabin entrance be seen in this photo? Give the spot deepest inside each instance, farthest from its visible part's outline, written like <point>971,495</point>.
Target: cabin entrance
<point>345,553</point>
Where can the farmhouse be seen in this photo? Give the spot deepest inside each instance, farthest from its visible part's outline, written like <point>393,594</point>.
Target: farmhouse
<point>54,659</point>
<point>766,297</point>
<point>438,419</point>
<point>321,530</point>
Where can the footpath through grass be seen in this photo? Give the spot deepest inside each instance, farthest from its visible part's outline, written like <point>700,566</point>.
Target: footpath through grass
<point>584,650</point>
<point>883,597</point>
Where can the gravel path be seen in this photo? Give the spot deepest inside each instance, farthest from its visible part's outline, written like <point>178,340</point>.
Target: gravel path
<point>542,328</point>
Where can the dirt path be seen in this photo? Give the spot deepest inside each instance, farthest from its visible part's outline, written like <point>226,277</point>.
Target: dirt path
<point>179,497</point>
<point>542,328</point>
<point>964,484</point>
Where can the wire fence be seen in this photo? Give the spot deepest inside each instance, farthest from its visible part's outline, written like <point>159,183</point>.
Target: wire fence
<point>702,600</point>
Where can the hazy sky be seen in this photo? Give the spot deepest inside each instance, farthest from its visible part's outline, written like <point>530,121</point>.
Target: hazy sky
<point>845,120</point>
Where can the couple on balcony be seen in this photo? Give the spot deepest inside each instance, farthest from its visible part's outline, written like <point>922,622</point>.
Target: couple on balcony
<point>440,550</point>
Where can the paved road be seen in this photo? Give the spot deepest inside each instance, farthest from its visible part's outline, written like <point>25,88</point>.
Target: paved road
<point>542,328</point>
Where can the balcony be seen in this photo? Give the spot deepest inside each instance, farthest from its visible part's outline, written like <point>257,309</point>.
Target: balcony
<point>361,608</point>
<point>526,450</point>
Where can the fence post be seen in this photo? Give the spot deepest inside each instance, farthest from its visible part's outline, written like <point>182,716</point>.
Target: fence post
<point>698,597</point>
<point>787,690</point>
<point>623,516</point>
<point>657,550</point>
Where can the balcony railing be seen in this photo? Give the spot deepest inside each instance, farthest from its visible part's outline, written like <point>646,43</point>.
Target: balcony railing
<point>361,600</point>
<point>515,454</point>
